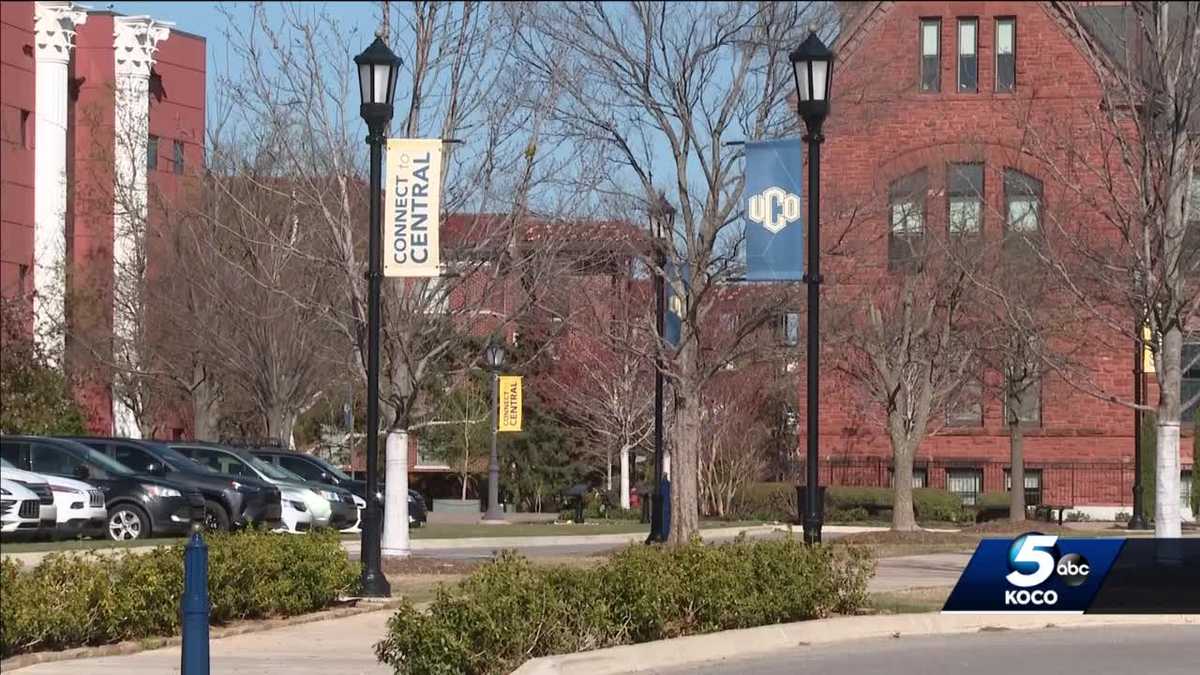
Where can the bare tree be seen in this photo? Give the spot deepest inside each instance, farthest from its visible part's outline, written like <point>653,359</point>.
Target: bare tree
<point>656,90</point>
<point>1119,240</point>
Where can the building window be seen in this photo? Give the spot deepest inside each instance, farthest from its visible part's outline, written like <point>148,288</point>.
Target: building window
<point>965,408</point>
<point>1023,401</point>
<point>1006,54</point>
<point>1190,384</point>
<point>1023,209</point>
<point>152,153</point>
<point>1033,485</point>
<point>789,329</point>
<point>1185,491</point>
<point>966,483</point>
<point>26,130</point>
<point>177,158</point>
<point>920,477</point>
<point>931,61</point>
<point>968,52</point>
<point>906,235</point>
<point>965,197</point>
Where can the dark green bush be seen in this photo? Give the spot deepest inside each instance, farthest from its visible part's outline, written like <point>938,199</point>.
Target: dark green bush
<point>765,501</point>
<point>509,611</point>
<point>777,501</point>
<point>933,504</point>
<point>87,599</point>
<point>853,515</point>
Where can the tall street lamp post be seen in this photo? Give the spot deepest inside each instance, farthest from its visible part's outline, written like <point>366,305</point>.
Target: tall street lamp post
<point>812,67</point>
<point>494,356</point>
<point>1137,521</point>
<point>662,220</point>
<point>377,71</point>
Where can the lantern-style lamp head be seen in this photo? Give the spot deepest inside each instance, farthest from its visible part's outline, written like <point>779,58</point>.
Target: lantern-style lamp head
<point>812,67</point>
<point>494,354</point>
<point>662,217</point>
<point>378,69</point>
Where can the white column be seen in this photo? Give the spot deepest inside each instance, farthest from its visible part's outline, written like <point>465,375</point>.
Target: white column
<point>395,509</point>
<point>54,28</point>
<point>136,39</point>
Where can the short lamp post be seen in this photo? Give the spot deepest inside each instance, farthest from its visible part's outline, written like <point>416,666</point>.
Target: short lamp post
<point>378,68</point>
<point>812,67</point>
<point>493,356</point>
<point>662,220</point>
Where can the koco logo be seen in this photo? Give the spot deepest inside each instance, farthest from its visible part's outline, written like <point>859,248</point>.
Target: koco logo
<point>774,208</point>
<point>1032,559</point>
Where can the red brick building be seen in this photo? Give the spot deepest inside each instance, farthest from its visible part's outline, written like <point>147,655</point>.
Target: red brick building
<point>103,120</point>
<point>929,96</point>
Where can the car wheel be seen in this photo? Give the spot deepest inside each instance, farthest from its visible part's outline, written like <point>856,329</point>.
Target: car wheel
<point>215,517</point>
<point>127,522</point>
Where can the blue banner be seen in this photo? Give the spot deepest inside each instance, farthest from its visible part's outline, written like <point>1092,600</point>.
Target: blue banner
<point>773,207</point>
<point>675,304</point>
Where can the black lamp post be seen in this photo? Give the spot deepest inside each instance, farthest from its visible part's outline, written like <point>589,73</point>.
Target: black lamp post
<point>662,220</point>
<point>1137,520</point>
<point>812,67</point>
<point>494,356</point>
<point>377,71</point>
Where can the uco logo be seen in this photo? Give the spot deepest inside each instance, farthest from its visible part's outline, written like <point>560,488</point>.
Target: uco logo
<point>1033,559</point>
<point>774,208</point>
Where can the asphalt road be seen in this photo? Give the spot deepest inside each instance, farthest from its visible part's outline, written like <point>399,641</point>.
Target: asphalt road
<point>1161,650</point>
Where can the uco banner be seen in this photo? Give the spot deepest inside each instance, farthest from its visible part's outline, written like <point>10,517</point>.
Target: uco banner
<point>508,418</point>
<point>774,227</point>
<point>412,202</point>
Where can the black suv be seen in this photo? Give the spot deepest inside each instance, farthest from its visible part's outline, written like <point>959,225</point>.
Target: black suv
<point>229,501</point>
<point>139,505</point>
<point>318,470</point>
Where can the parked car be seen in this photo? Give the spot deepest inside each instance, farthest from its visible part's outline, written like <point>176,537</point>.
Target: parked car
<point>20,508</point>
<point>47,508</point>
<point>297,517</point>
<point>313,468</point>
<point>79,505</point>
<point>230,502</point>
<point>328,505</point>
<point>137,505</point>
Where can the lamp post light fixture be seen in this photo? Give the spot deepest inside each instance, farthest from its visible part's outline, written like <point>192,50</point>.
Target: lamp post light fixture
<point>378,68</point>
<point>812,68</point>
<point>493,355</point>
<point>662,222</point>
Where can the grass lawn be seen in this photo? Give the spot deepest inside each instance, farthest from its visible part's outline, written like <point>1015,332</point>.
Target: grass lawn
<point>908,601</point>
<point>81,544</point>
<point>591,527</point>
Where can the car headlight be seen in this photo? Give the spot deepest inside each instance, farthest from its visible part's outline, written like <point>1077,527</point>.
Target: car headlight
<point>67,490</point>
<point>160,491</point>
<point>379,496</point>
<point>330,495</point>
<point>5,492</point>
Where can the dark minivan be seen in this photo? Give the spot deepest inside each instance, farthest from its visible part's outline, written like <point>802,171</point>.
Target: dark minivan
<point>139,505</point>
<point>313,468</point>
<point>229,501</point>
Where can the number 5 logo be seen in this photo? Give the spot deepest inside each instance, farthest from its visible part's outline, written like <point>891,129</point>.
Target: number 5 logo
<point>1030,564</point>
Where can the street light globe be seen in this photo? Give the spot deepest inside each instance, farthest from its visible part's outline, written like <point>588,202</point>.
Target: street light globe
<point>662,217</point>
<point>378,69</point>
<point>812,68</point>
<point>494,354</point>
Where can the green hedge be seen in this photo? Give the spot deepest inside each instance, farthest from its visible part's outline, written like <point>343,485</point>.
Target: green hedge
<point>510,611</point>
<point>71,600</point>
<point>777,501</point>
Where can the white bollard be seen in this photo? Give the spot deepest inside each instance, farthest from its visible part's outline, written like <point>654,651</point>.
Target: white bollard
<point>395,509</point>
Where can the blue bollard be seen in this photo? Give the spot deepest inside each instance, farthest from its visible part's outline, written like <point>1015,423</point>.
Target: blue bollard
<point>194,656</point>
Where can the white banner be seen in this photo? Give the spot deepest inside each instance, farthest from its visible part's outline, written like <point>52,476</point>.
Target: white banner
<point>412,198</point>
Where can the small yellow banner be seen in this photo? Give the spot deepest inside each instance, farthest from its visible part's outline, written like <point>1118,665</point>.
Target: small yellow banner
<point>1147,352</point>
<point>509,416</point>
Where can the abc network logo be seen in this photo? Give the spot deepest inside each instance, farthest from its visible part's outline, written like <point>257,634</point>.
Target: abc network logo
<point>1033,559</point>
<point>774,208</point>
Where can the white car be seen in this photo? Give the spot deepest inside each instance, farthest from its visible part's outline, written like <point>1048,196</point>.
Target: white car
<point>35,483</point>
<point>80,506</point>
<point>19,508</point>
<point>294,511</point>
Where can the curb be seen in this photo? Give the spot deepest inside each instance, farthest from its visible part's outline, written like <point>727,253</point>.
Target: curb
<point>215,632</point>
<point>696,649</point>
<point>580,539</point>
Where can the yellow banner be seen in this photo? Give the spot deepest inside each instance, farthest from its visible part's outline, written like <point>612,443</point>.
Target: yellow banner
<point>508,418</point>
<point>1147,352</point>
<point>412,204</point>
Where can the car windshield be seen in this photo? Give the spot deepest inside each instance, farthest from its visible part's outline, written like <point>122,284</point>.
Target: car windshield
<point>291,475</point>
<point>181,461</point>
<point>270,470</point>
<point>331,469</point>
<point>4,463</point>
<point>108,463</point>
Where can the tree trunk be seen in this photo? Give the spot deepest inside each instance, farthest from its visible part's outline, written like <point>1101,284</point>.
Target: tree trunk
<point>1166,481</point>
<point>608,469</point>
<point>1016,449</point>
<point>903,517</point>
<point>625,478</point>
<point>685,505</point>
<point>206,411</point>
<point>281,424</point>
<point>395,542</point>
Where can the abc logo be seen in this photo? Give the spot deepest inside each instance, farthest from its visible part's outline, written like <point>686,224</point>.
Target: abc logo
<point>1033,559</point>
